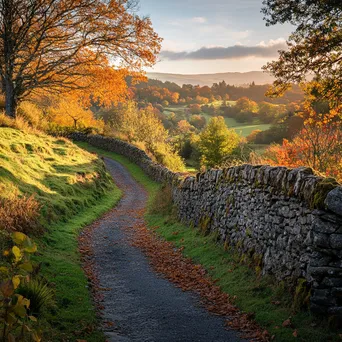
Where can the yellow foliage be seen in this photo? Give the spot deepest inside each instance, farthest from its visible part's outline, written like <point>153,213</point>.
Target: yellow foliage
<point>144,129</point>
<point>69,113</point>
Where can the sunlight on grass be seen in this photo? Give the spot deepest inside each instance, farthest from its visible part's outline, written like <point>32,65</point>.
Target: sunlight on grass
<point>243,129</point>
<point>74,189</point>
<point>62,177</point>
<point>75,315</point>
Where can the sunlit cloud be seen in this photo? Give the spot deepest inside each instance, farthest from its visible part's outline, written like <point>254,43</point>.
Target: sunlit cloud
<point>273,42</point>
<point>238,51</point>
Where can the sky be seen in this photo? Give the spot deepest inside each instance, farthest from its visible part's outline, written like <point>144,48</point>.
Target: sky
<point>212,36</point>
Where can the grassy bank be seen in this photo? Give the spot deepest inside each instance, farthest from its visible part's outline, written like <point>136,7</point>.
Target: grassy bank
<point>270,303</point>
<point>74,318</point>
<point>72,188</point>
<point>63,178</point>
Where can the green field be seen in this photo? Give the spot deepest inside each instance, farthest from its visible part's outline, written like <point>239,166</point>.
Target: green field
<point>217,104</point>
<point>175,109</point>
<point>243,129</point>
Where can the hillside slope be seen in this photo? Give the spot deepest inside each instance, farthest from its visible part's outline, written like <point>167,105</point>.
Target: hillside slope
<point>61,176</point>
<point>232,78</point>
<point>73,189</point>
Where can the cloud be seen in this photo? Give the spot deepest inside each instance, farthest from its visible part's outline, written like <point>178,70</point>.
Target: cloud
<point>199,20</point>
<point>263,49</point>
<point>272,42</point>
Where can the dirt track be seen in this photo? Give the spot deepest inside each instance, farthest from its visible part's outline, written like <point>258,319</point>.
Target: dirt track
<point>136,303</point>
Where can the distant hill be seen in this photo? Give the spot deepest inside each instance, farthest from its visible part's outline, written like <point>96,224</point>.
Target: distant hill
<point>232,78</point>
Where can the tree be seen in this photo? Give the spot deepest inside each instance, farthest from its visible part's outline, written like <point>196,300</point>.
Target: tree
<point>314,48</point>
<point>318,145</point>
<point>175,98</point>
<point>195,109</point>
<point>198,121</point>
<point>60,45</point>
<point>244,104</point>
<point>184,127</point>
<point>251,137</point>
<point>270,113</point>
<point>69,113</point>
<point>216,142</point>
<point>143,128</point>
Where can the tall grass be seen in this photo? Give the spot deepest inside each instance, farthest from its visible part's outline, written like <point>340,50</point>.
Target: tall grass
<point>21,214</point>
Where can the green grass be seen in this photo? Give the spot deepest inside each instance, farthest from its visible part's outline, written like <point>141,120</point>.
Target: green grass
<point>75,315</point>
<point>74,189</point>
<point>191,169</point>
<point>254,294</point>
<point>218,104</point>
<point>243,129</point>
<point>246,130</point>
<point>62,177</point>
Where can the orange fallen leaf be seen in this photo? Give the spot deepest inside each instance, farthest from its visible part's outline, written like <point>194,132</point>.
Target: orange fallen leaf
<point>287,323</point>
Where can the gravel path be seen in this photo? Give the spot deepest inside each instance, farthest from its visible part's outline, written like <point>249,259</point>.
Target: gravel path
<point>138,304</point>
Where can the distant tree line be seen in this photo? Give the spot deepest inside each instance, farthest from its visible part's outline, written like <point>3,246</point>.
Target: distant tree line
<point>169,93</point>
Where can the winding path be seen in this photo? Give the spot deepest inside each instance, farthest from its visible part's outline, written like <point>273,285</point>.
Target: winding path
<point>138,304</point>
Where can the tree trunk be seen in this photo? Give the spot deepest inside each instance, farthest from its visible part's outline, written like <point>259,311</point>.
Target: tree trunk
<point>11,102</point>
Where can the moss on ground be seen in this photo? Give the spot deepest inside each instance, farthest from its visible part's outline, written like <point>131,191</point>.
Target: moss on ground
<point>271,302</point>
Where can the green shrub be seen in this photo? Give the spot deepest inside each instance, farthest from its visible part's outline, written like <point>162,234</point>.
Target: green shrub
<point>165,156</point>
<point>216,142</point>
<point>39,293</point>
<point>16,323</point>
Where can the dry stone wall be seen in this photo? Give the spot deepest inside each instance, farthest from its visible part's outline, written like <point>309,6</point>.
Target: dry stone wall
<point>288,221</point>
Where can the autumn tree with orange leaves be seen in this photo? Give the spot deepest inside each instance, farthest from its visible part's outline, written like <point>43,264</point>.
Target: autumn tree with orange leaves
<point>318,145</point>
<point>58,46</point>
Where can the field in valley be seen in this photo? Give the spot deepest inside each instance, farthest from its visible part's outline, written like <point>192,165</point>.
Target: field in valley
<point>243,129</point>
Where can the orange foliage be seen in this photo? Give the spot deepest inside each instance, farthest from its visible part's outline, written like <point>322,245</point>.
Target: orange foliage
<point>184,127</point>
<point>318,145</point>
<point>68,112</point>
<point>67,45</point>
